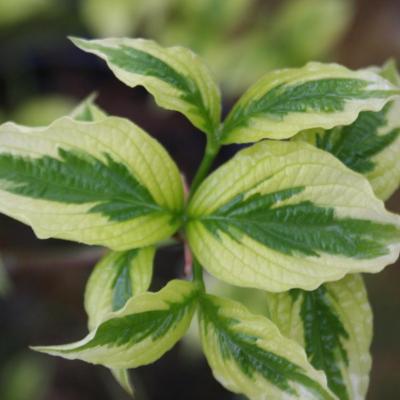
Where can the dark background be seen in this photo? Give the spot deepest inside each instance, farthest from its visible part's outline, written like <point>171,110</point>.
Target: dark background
<point>44,304</point>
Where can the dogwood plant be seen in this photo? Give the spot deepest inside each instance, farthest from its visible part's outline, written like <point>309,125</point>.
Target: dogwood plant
<point>298,218</point>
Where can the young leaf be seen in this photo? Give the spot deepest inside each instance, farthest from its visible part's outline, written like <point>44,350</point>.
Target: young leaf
<point>248,355</point>
<point>282,215</point>
<point>104,182</point>
<point>284,102</point>
<point>115,279</point>
<point>334,325</point>
<point>147,327</point>
<point>371,145</point>
<point>88,111</point>
<point>121,375</point>
<point>175,76</point>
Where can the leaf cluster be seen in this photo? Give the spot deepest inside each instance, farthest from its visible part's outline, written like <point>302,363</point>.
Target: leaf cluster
<point>297,218</point>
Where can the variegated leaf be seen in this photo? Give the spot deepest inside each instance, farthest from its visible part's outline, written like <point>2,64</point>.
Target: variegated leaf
<point>104,182</point>
<point>284,215</point>
<point>175,76</point>
<point>334,325</point>
<point>248,355</point>
<point>118,277</point>
<point>285,102</point>
<point>140,333</point>
<point>129,278</point>
<point>370,145</point>
<point>115,279</point>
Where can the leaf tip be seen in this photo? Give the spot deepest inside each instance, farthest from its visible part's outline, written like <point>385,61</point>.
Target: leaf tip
<point>77,41</point>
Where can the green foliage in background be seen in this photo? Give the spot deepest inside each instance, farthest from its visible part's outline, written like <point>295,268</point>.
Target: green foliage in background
<point>265,37</point>
<point>25,376</point>
<point>17,11</point>
<point>298,218</point>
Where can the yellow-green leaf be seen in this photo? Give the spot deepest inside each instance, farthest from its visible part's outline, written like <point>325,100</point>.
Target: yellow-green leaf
<point>334,325</point>
<point>147,327</point>
<point>248,355</point>
<point>284,215</point>
<point>287,101</point>
<point>105,182</point>
<point>175,76</point>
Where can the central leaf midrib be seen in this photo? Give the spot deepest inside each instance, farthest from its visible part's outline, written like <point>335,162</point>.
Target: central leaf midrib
<point>257,222</point>
<point>305,97</point>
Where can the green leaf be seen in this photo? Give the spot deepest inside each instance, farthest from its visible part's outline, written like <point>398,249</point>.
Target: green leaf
<point>115,279</point>
<point>175,76</point>
<point>282,215</point>
<point>147,327</point>
<point>104,182</point>
<point>370,145</point>
<point>286,101</point>
<point>334,324</point>
<point>248,355</point>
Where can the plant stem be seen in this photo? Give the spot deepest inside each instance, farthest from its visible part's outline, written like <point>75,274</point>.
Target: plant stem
<point>212,149</point>
<point>198,274</point>
<point>211,152</point>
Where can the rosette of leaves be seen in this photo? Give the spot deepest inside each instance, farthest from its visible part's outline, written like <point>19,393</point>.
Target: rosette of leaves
<point>280,216</point>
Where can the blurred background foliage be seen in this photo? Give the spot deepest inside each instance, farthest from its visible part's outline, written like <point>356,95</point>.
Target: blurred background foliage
<point>42,77</point>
